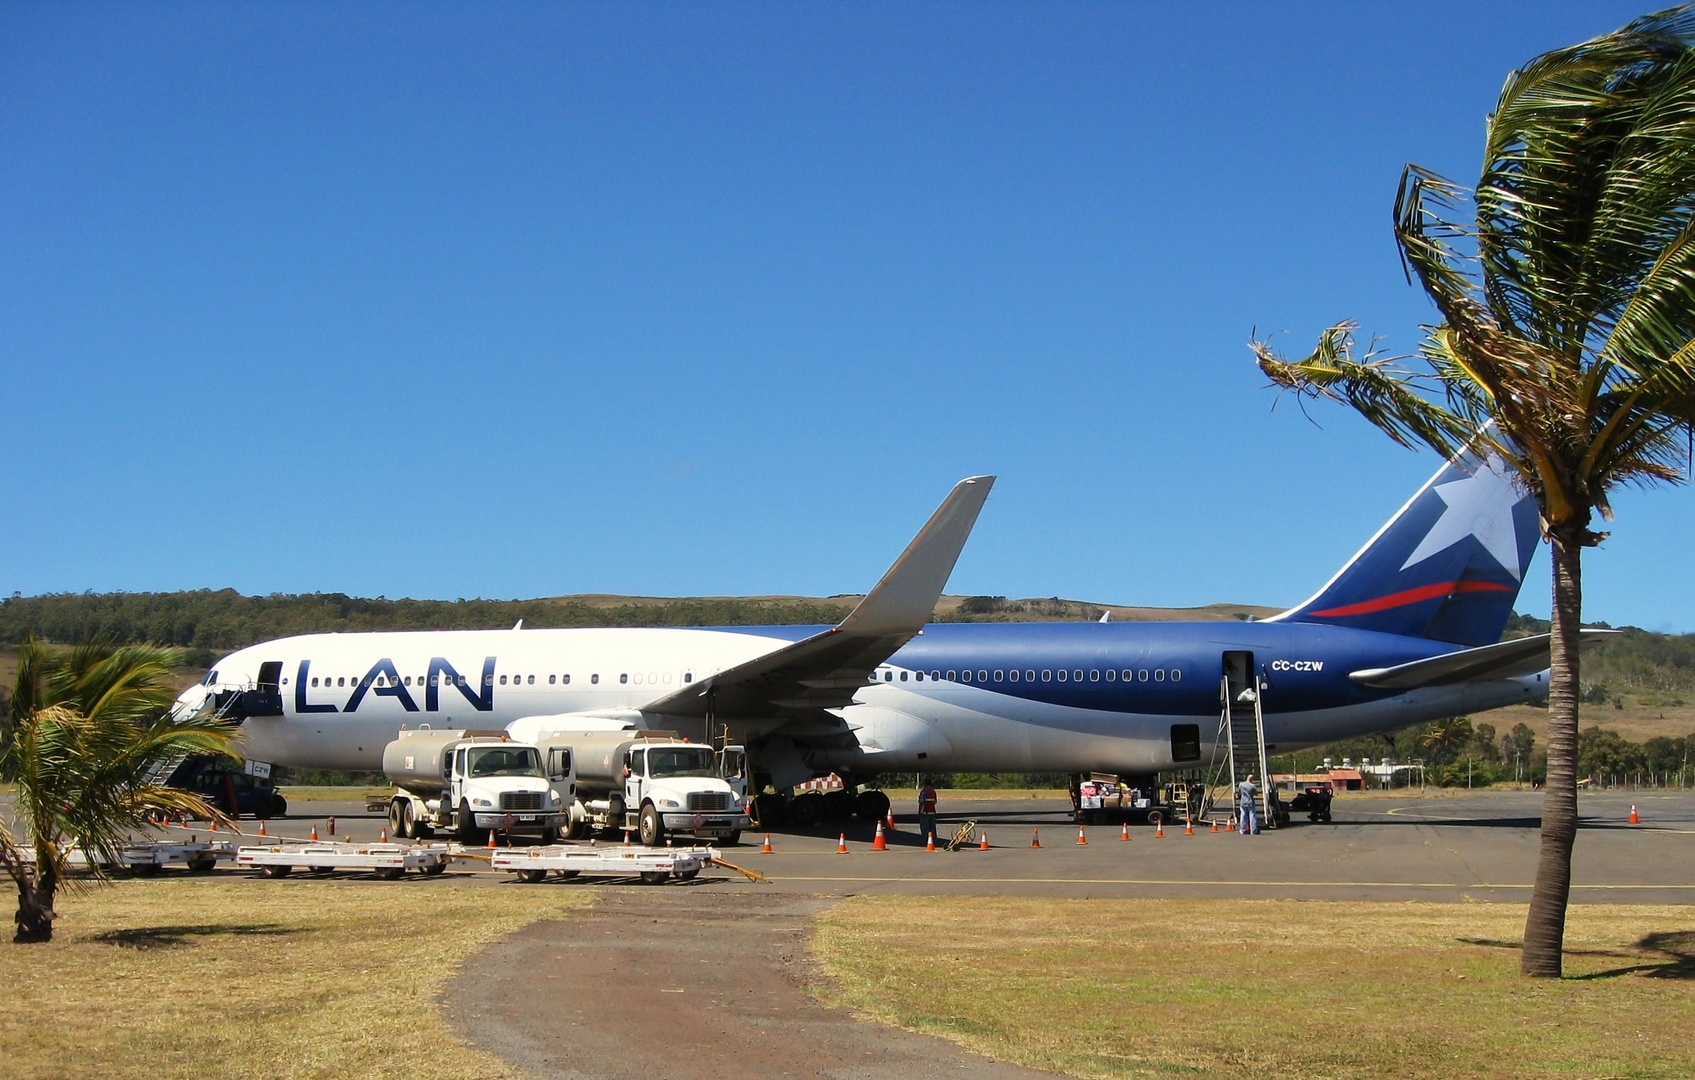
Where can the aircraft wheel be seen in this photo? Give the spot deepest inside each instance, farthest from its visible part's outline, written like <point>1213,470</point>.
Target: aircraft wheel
<point>807,811</point>
<point>436,869</point>
<point>871,805</point>
<point>532,876</point>
<point>654,877</point>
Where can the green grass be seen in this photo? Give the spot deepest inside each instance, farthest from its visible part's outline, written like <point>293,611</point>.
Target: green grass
<point>1110,988</point>
<point>191,977</point>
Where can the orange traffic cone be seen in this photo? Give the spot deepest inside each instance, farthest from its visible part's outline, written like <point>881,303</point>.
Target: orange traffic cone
<point>491,842</point>
<point>1214,824</point>
<point>261,828</point>
<point>1188,828</point>
<point>930,842</point>
<point>215,820</point>
<point>766,850</point>
<point>1124,832</point>
<point>879,844</point>
<point>1081,839</point>
<point>891,821</point>
<point>1159,830</point>
<point>1035,838</point>
<point>1634,820</point>
<point>382,835</point>
<point>314,836</point>
<point>841,845</point>
<point>983,841</point>
<point>626,839</point>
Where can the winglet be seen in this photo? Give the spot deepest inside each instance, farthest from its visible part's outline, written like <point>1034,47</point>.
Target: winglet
<point>905,598</point>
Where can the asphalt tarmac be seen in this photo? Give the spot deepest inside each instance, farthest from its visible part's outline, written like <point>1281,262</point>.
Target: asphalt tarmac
<point>1457,847</point>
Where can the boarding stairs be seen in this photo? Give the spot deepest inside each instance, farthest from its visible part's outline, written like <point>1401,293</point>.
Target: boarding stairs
<point>1243,724</point>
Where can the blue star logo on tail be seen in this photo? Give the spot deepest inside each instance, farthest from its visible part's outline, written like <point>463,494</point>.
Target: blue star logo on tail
<point>1480,506</point>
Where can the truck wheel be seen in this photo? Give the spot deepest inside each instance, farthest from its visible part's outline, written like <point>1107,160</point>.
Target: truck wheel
<point>279,806</point>
<point>733,839</point>
<point>654,877</point>
<point>408,826</point>
<point>466,825</point>
<point>532,876</point>
<point>549,836</point>
<point>436,868</point>
<point>200,866</point>
<point>397,816</point>
<point>577,829</point>
<point>652,829</point>
<point>276,871</point>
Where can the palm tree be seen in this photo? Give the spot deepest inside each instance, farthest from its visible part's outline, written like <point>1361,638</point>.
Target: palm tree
<point>84,726</point>
<point>1567,336</point>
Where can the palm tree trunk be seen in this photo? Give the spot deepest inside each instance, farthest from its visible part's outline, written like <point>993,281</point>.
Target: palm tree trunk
<point>35,905</point>
<point>1544,928</point>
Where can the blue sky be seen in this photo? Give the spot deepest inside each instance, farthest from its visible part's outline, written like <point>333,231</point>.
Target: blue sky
<point>518,300</point>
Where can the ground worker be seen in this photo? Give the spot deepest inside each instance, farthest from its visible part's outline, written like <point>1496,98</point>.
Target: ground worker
<point>1247,792</point>
<point>927,810</point>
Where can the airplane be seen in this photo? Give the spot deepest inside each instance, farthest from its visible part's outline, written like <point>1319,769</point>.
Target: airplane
<point>1408,630</point>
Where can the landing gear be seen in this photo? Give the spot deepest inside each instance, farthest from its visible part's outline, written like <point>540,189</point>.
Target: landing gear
<point>871,805</point>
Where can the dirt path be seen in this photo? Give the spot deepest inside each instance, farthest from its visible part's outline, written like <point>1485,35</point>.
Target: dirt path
<point>681,983</point>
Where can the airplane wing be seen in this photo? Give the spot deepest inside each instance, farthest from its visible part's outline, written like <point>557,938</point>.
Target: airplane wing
<point>1502,660</point>
<point>825,670</point>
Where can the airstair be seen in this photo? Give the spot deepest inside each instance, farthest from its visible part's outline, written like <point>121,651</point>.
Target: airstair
<point>1242,723</point>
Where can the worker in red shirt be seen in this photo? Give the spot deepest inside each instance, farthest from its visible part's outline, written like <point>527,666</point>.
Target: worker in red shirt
<point>927,811</point>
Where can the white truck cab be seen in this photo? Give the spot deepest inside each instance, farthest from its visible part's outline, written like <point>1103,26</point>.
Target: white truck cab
<point>681,787</point>
<point>471,782</point>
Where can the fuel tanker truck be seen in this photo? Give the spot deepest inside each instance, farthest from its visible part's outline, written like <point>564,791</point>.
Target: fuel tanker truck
<point>472,782</point>
<point>652,782</point>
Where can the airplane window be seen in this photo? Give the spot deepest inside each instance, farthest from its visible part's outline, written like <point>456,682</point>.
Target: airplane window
<point>1159,674</point>
<point>1077,676</point>
<point>285,680</point>
<point>1142,675</point>
<point>1129,676</point>
<point>999,675</point>
<point>919,675</point>
<point>952,675</point>
<point>531,680</point>
<point>1176,675</point>
<point>652,676</point>
<point>1062,675</point>
<point>965,675</point>
<point>1014,674</point>
<point>688,676</point>
<point>594,678</point>
<point>1111,674</point>
<point>638,678</point>
<point>341,680</point>
<point>488,680</point>
<point>1094,676</point>
<point>314,680</point>
<point>551,679</point>
<point>565,678</point>
<point>503,683</point>
<point>624,678</point>
<point>1029,675</point>
<point>938,675</point>
<point>903,676</point>
<point>667,678</point>
<point>982,676</point>
<point>1047,674</point>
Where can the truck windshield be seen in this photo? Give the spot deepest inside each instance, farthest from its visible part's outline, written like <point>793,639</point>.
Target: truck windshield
<point>680,761</point>
<point>505,761</point>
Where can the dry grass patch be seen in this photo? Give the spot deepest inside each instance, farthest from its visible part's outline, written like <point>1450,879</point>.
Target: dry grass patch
<point>1149,988</point>
<point>194,976</point>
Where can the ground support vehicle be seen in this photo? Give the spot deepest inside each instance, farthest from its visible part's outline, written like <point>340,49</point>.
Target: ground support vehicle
<point>147,859</point>
<point>652,783</point>
<point>221,782</point>
<point>1313,801</point>
<point>1099,798</point>
<point>386,861</point>
<point>471,782</point>
<point>571,860</point>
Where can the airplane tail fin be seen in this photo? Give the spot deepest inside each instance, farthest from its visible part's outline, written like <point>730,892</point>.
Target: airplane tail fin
<point>1447,566</point>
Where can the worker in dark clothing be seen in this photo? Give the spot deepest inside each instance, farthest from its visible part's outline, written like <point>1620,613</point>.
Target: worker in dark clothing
<point>1248,795</point>
<point>927,811</point>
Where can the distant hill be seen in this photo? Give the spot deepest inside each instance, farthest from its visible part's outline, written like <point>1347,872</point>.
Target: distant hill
<point>221,620</point>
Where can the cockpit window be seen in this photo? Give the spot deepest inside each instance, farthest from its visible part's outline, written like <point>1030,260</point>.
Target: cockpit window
<point>211,678</point>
